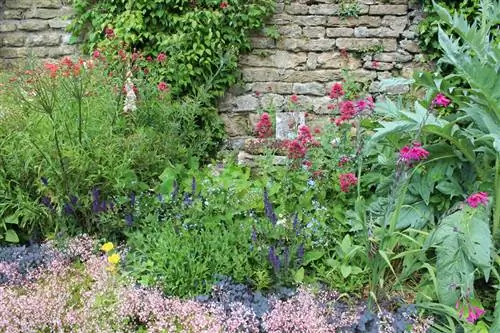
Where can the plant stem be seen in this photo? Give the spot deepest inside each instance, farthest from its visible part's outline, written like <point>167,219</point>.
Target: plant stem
<point>496,209</point>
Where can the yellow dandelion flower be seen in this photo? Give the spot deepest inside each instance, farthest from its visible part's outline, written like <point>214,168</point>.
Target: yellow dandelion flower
<point>107,247</point>
<point>114,258</point>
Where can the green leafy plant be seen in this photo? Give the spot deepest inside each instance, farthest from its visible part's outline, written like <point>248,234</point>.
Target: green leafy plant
<point>194,35</point>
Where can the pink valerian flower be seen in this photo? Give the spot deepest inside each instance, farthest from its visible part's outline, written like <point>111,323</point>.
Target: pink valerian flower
<point>476,199</point>
<point>264,127</point>
<point>161,57</point>
<point>294,99</point>
<point>162,86</point>
<point>346,181</point>
<point>441,100</point>
<point>413,153</point>
<point>304,135</point>
<point>96,54</point>
<point>224,4</point>
<point>337,90</point>
<point>343,160</point>
<point>365,104</point>
<point>110,33</point>
<point>295,149</point>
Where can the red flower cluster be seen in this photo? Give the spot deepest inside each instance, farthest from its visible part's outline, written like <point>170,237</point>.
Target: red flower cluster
<point>476,199</point>
<point>413,153</point>
<point>224,4</point>
<point>264,127</point>
<point>296,149</point>
<point>161,57</point>
<point>337,90</point>
<point>162,86</point>
<point>346,181</point>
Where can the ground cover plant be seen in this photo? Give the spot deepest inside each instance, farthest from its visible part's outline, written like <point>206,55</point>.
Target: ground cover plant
<point>383,220</point>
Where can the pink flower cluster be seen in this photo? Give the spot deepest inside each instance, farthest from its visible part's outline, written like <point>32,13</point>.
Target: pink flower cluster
<point>346,181</point>
<point>264,127</point>
<point>441,100</point>
<point>413,153</point>
<point>474,312</point>
<point>348,109</point>
<point>476,199</point>
<point>297,148</point>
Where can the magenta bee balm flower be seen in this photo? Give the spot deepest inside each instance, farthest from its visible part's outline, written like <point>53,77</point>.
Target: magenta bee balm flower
<point>476,199</point>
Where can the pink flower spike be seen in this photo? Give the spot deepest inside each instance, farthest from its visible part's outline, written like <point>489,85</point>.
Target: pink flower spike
<point>476,199</point>
<point>336,91</point>
<point>441,100</point>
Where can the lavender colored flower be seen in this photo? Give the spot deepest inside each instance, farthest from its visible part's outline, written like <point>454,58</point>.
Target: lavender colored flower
<point>45,200</point>
<point>268,207</point>
<point>175,190</point>
<point>129,220</point>
<point>274,259</point>
<point>187,199</point>
<point>95,200</point>
<point>132,199</point>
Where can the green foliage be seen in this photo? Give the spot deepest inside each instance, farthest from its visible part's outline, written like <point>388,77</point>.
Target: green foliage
<point>82,149</point>
<point>195,35</point>
<point>463,250</point>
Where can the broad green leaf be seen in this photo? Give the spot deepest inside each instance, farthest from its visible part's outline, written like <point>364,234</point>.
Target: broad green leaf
<point>11,236</point>
<point>312,256</point>
<point>345,270</point>
<point>299,275</point>
<point>12,219</point>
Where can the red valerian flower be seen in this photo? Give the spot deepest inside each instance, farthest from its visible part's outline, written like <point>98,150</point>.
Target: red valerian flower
<point>161,57</point>
<point>337,90</point>
<point>294,99</point>
<point>441,100</point>
<point>343,160</point>
<point>413,153</point>
<point>296,149</point>
<point>96,54</point>
<point>476,199</point>
<point>149,58</point>
<point>224,4</point>
<point>264,127</point>
<point>307,164</point>
<point>304,135</point>
<point>346,181</point>
<point>110,33</point>
<point>162,86</point>
<point>52,68</point>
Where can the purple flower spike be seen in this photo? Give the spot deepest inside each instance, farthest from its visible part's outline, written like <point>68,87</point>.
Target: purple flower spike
<point>268,207</point>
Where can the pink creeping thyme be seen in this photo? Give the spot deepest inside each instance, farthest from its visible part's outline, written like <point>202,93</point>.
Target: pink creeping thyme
<point>476,199</point>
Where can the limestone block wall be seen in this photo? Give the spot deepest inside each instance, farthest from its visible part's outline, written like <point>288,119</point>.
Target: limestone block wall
<point>34,28</point>
<point>315,44</point>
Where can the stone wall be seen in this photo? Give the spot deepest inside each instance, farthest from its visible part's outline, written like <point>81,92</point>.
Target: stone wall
<point>315,45</point>
<point>30,28</point>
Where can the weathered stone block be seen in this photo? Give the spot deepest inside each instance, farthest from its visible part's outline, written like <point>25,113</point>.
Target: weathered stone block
<point>393,57</point>
<point>236,124</point>
<point>280,19</point>
<point>292,30</point>
<point>23,4</point>
<point>46,39</point>
<point>8,27</point>
<point>58,23</point>
<point>369,21</point>
<point>358,44</point>
<point>309,20</point>
<point>48,3</point>
<point>311,88</point>
<point>410,46</point>
<point>364,32</point>
<point>239,103</point>
<point>314,32</point>
<point>323,75</point>
<point>388,9</point>
<point>262,43</point>
<point>379,66</point>
<point>273,101</point>
<point>253,74</point>
<point>272,87</point>
<point>339,32</point>
<point>13,14</point>
<point>33,25</point>
<point>318,45</point>
<point>297,8</point>
<point>335,60</point>
<point>56,52</point>
<point>280,59</point>
<point>396,23</point>
<point>323,9</point>
<point>389,44</point>
<point>14,39</point>
<point>363,75</point>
